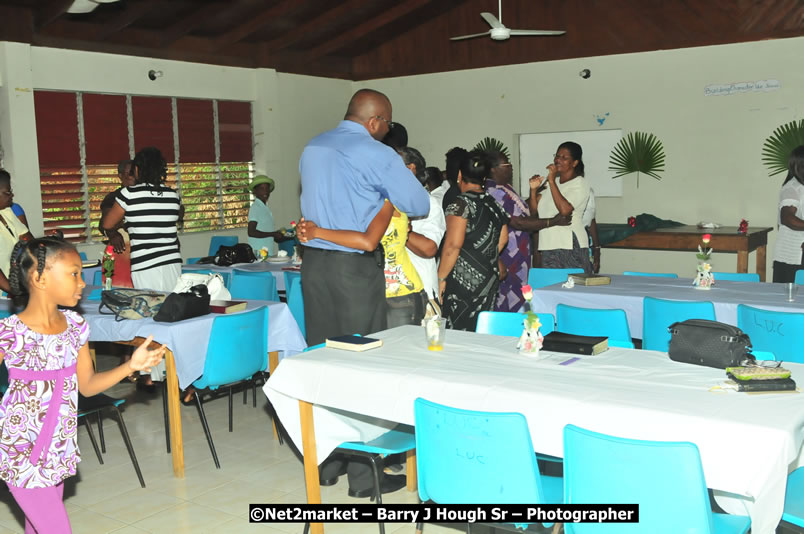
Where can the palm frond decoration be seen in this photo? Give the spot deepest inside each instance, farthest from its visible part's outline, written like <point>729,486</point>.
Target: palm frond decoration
<point>489,144</point>
<point>638,152</point>
<point>777,147</point>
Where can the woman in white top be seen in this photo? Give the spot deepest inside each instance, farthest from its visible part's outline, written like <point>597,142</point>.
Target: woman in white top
<point>788,256</point>
<point>11,229</point>
<point>564,247</point>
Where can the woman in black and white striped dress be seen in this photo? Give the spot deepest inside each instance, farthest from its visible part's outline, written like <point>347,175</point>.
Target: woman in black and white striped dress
<point>152,212</point>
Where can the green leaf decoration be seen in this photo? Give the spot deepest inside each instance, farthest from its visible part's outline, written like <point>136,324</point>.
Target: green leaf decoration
<point>777,148</point>
<point>489,144</point>
<point>638,152</point>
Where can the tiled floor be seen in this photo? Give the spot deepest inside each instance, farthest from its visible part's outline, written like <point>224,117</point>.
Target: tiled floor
<point>254,469</point>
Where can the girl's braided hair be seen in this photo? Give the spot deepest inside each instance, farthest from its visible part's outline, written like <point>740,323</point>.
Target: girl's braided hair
<point>27,255</point>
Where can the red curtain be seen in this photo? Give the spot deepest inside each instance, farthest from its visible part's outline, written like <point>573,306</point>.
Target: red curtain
<point>153,124</point>
<point>105,128</point>
<point>56,129</point>
<point>234,127</point>
<point>196,131</point>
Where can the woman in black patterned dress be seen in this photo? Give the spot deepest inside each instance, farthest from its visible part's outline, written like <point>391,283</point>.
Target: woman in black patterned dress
<point>469,273</point>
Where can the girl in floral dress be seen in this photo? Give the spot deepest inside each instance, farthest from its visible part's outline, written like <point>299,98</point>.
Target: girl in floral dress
<point>46,351</point>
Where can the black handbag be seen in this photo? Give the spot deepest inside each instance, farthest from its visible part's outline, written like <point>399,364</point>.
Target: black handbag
<point>709,343</point>
<point>180,306</point>
<point>230,254</point>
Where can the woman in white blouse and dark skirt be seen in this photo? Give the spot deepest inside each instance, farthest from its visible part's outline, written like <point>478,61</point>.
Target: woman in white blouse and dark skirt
<point>567,193</point>
<point>788,256</point>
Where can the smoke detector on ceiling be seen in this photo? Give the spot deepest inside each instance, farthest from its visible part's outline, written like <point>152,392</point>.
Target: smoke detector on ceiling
<point>86,6</point>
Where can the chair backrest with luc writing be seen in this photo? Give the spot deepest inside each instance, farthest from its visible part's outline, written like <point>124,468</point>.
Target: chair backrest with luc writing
<point>781,333</point>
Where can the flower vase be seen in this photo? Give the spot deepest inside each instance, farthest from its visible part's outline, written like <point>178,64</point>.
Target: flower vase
<point>704,279</point>
<point>530,341</point>
<point>107,283</point>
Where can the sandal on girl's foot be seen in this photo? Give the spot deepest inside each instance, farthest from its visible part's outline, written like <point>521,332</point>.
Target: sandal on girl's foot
<point>187,397</point>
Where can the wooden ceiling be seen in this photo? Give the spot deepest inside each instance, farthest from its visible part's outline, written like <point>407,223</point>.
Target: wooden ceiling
<point>364,39</point>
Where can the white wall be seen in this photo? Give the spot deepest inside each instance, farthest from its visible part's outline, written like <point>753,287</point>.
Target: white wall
<point>713,144</point>
<point>288,110</point>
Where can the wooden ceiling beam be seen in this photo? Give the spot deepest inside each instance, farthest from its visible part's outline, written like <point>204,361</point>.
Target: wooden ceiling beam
<point>310,27</point>
<point>50,11</point>
<point>125,19</point>
<point>187,24</point>
<point>254,23</point>
<point>363,29</point>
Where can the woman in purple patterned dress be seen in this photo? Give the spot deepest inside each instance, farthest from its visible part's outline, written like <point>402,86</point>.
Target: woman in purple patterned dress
<point>48,361</point>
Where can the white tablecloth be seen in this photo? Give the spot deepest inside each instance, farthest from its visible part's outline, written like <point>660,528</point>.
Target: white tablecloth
<point>278,269</point>
<point>638,394</point>
<point>626,293</point>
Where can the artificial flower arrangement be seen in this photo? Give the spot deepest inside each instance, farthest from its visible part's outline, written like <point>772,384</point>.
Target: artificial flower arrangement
<point>289,232</point>
<point>531,339</point>
<point>107,266</point>
<point>704,279</point>
<point>263,253</point>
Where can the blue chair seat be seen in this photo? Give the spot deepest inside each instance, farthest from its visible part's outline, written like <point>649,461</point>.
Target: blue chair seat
<point>538,277</point>
<point>736,277</point>
<point>510,323</point>
<point>794,498</point>
<point>400,439</point>
<point>658,275</point>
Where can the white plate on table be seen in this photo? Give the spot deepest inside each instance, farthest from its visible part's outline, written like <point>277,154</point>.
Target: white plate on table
<point>277,259</point>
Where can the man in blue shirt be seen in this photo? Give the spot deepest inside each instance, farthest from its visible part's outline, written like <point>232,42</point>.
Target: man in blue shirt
<point>346,175</point>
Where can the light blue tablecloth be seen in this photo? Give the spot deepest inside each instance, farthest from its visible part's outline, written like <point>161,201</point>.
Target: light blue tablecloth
<point>276,268</point>
<point>627,292</point>
<point>188,339</point>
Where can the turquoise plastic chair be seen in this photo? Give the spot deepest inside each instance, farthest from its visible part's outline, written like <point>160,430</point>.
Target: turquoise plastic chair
<point>253,285</point>
<point>794,497</point>
<point>97,278</point>
<point>83,256</point>
<point>658,314</point>
<point>191,261</point>
<point>800,277</point>
<point>612,324</point>
<point>450,443</point>
<point>293,290</point>
<point>736,277</point>
<point>510,323</point>
<point>538,277</point>
<point>781,333</point>
<point>237,350</point>
<point>227,276</point>
<point>217,240</point>
<point>658,275</point>
<point>665,478</point>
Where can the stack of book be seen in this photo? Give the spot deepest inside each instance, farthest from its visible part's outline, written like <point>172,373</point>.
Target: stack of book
<point>757,378</point>
<point>590,279</point>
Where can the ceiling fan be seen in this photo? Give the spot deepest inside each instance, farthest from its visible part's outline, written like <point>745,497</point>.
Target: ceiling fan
<point>499,32</point>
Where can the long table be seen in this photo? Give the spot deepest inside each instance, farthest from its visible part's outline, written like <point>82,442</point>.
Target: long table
<point>724,239</point>
<point>276,268</point>
<point>626,292</point>
<point>327,396</point>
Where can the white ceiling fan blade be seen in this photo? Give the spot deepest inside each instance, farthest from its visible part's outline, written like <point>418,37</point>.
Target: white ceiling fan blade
<point>469,36</point>
<point>538,32</point>
<point>492,20</point>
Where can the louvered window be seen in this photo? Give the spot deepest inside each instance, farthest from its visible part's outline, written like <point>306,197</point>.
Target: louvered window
<point>82,136</point>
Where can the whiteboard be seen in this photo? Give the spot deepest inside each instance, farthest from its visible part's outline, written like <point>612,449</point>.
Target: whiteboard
<point>536,152</point>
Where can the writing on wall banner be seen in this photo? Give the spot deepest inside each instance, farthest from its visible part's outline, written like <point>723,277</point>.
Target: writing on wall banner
<point>451,513</point>
<point>727,89</point>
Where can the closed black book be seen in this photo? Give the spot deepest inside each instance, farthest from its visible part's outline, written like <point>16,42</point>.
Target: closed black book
<point>574,344</point>
<point>776,384</point>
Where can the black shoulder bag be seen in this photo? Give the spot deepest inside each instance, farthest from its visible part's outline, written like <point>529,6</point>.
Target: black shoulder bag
<point>709,343</point>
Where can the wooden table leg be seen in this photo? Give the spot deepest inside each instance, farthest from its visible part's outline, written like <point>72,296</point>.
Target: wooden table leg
<point>413,482</point>
<point>310,460</point>
<point>761,251</point>
<point>273,362</point>
<point>742,261</point>
<point>174,415</point>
